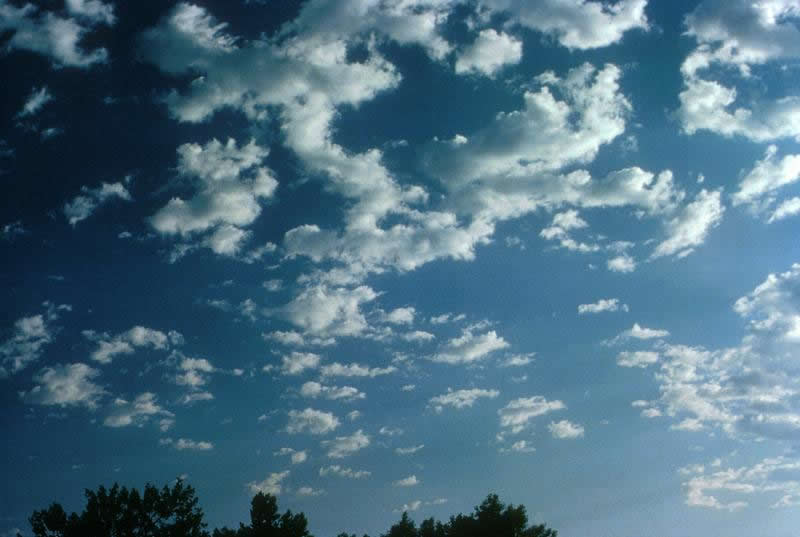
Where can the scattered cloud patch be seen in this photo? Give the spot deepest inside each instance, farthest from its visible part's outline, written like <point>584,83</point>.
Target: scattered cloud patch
<point>602,305</point>
<point>270,485</point>
<point>409,481</point>
<point>518,413</point>
<point>35,101</point>
<point>344,446</point>
<point>89,200</point>
<point>29,338</point>
<point>137,412</point>
<point>468,347</point>
<point>489,53</point>
<point>565,429</point>
<point>65,386</point>
<point>311,421</point>
<point>461,398</point>
<point>341,471</point>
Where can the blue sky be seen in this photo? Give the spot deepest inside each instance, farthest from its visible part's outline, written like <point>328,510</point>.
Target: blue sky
<point>384,256</point>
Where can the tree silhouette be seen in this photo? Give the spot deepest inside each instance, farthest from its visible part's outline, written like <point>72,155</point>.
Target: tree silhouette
<point>174,512</point>
<point>120,512</point>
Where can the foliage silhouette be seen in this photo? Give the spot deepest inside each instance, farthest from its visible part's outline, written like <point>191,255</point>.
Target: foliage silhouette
<point>119,512</point>
<point>174,512</point>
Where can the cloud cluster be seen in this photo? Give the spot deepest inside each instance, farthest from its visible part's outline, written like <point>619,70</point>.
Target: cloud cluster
<point>747,391</point>
<point>739,34</point>
<point>89,200</point>
<point>108,347</point>
<point>65,386</point>
<point>775,477</point>
<point>576,24</point>
<point>228,183</point>
<point>461,398</point>
<point>56,36</point>
<point>517,414</point>
<point>344,446</point>
<point>29,338</point>
<point>136,412</point>
<point>311,421</point>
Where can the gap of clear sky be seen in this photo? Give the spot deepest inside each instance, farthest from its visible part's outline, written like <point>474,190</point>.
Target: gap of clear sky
<point>375,256</point>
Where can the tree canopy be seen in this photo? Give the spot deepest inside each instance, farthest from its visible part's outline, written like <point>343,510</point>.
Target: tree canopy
<point>174,512</point>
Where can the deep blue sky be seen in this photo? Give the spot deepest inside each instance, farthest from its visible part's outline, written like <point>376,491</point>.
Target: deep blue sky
<point>384,256</point>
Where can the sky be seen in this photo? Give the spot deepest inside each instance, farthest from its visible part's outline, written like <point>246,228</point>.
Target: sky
<point>385,256</point>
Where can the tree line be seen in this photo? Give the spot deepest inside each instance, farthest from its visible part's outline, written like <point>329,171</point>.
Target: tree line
<point>175,512</point>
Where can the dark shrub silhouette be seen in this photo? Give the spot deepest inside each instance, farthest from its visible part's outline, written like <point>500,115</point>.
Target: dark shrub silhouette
<point>174,512</point>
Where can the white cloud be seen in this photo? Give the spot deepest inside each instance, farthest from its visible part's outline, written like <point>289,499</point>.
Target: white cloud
<point>30,336</point>
<point>639,332</point>
<point>270,485</point>
<point>489,53</point>
<point>522,446</point>
<point>602,305</point>
<point>576,24</point>
<point>193,397</point>
<point>558,230</point>
<point>273,286</point>
<point>401,315</point>
<point>35,101</point>
<point>545,135</point>
<point>297,362</point>
<point>286,337</point>
<point>409,507</point>
<point>468,348</point>
<point>193,445</point>
<point>343,446</point>
<point>309,491</point>
<point>691,226</point>
<point>637,358</point>
<point>312,421</point>
<point>461,398</point>
<point>565,429</point>
<point>772,477</point>
<point>82,206</point>
<point>94,10</point>
<point>767,176</point>
<point>194,372</point>
<point>355,370</point>
<point>409,450</point>
<point>65,385</point>
<point>746,391</point>
<point>409,481</point>
<point>651,413</point>
<point>229,183</point>
<point>109,347</point>
<point>772,307</point>
<point>447,318</point>
<point>297,457</point>
<point>418,336</point>
<point>790,207</point>
<point>621,263</point>
<point>137,412</point>
<point>517,414</point>
<point>414,22</point>
<point>739,34</point>
<point>342,471</point>
<point>14,229</point>
<point>390,431</point>
<point>353,415</point>
<point>518,360</point>
<point>48,34</point>
<point>165,424</point>
<point>329,312</point>
<point>314,390</point>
